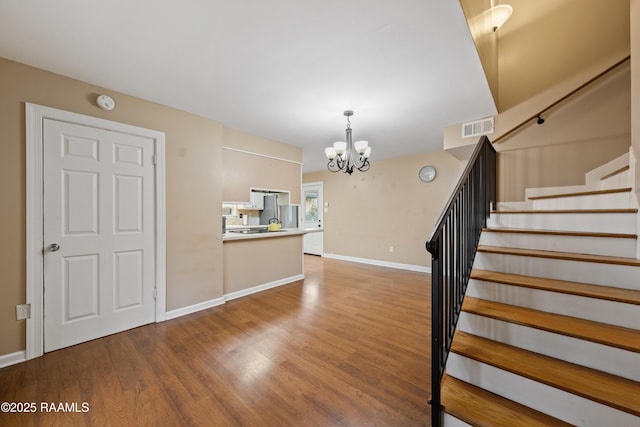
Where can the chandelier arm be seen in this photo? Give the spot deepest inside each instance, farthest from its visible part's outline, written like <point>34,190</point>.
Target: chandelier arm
<point>365,166</point>
<point>335,165</point>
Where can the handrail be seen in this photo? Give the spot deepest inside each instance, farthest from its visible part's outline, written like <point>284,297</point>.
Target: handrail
<point>562,99</point>
<point>452,244</point>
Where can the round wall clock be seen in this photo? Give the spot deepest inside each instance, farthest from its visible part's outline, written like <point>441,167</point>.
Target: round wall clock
<point>427,173</point>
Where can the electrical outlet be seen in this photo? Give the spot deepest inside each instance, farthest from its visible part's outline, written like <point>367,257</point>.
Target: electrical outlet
<point>391,249</point>
<point>23,311</point>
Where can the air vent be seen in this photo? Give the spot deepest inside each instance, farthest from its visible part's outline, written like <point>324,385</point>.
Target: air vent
<point>477,128</point>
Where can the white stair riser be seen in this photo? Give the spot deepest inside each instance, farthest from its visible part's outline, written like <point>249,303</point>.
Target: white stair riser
<point>552,401</point>
<point>611,201</point>
<point>551,191</point>
<point>621,276</point>
<point>512,206</point>
<point>621,180</point>
<point>449,420</point>
<point>613,360</point>
<point>594,177</point>
<point>597,310</point>
<point>621,247</point>
<point>594,222</point>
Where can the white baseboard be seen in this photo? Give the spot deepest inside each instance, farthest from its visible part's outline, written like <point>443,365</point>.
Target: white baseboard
<point>179,312</point>
<point>264,287</point>
<point>379,263</point>
<point>13,358</point>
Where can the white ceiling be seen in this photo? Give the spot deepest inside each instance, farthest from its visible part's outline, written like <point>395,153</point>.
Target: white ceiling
<point>282,69</point>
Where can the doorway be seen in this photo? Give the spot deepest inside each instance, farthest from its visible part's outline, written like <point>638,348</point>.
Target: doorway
<point>312,217</point>
<point>96,228</point>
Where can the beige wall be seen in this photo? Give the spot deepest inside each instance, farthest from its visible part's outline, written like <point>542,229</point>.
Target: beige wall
<point>193,162</point>
<point>194,174</point>
<point>544,42</point>
<point>386,206</point>
<point>252,161</point>
<point>547,41</point>
<point>271,259</point>
<point>547,49</point>
<point>486,41</point>
<point>243,141</point>
<point>576,137</point>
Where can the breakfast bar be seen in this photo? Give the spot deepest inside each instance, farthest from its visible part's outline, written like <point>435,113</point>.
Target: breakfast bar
<point>255,259</point>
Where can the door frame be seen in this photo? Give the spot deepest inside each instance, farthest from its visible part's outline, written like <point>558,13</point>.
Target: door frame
<point>35,115</point>
<point>320,209</point>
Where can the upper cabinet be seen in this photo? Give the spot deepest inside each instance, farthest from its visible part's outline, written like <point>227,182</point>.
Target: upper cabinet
<point>256,201</point>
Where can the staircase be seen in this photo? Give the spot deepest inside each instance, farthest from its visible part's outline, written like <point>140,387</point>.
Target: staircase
<point>549,332</point>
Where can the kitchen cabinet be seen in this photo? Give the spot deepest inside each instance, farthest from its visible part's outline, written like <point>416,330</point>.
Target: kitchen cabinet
<point>257,200</point>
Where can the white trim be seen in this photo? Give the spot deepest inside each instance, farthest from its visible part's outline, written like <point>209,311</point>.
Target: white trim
<point>634,170</point>
<point>264,287</point>
<point>301,214</point>
<point>261,155</point>
<point>35,114</point>
<point>179,312</point>
<point>13,358</point>
<point>410,267</point>
<point>161,229</point>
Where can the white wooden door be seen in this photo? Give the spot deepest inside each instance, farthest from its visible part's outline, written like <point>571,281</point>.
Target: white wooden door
<point>99,232</point>
<point>312,210</point>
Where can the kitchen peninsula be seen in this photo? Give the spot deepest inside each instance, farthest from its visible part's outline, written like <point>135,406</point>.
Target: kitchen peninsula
<point>256,261</point>
<point>262,243</point>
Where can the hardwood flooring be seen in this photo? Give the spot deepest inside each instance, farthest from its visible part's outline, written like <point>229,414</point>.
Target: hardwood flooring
<point>348,346</point>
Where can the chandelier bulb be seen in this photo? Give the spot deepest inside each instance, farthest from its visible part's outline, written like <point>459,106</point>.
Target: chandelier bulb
<point>340,147</point>
<point>330,152</point>
<point>361,146</point>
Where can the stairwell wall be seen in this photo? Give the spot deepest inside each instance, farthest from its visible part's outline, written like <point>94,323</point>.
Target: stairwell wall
<point>577,136</point>
<point>635,102</point>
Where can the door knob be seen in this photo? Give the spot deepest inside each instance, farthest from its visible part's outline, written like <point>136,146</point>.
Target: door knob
<point>53,247</point>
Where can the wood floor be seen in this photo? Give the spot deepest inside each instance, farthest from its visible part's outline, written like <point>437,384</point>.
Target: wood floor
<point>348,346</point>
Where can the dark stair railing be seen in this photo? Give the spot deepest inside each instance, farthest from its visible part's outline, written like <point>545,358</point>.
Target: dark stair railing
<point>453,245</point>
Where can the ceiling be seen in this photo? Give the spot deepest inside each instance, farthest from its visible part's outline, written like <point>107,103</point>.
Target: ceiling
<point>281,69</point>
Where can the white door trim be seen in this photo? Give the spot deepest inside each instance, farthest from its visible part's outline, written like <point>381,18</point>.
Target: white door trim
<point>35,115</point>
<point>321,208</point>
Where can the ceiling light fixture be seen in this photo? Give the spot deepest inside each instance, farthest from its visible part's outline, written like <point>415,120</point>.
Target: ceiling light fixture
<point>345,156</point>
<point>499,15</point>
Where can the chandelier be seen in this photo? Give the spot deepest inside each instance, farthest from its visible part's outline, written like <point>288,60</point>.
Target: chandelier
<point>345,156</point>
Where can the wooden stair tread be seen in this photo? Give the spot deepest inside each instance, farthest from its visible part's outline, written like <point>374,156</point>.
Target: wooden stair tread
<point>610,390</point>
<point>628,296</point>
<point>616,172</point>
<point>480,407</point>
<point>582,193</point>
<point>567,256</point>
<point>567,211</point>
<point>602,333</point>
<point>558,232</point>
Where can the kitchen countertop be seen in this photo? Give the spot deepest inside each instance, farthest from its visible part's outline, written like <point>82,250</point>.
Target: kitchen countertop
<point>231,235</point>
